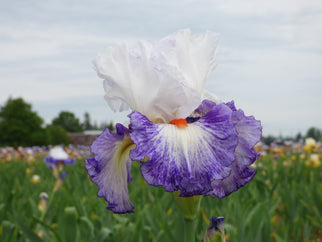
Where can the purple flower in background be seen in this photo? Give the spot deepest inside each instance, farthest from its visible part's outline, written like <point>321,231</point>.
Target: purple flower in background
<point>57,156</point>
<point>186,139</point>
<point>216,227</point>
<point>63,175</point>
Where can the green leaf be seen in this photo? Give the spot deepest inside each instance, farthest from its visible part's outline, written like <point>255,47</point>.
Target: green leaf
<point>86,229</point>
<point>103,234</point>
<point>69,223</point>
<point>48,227</point>
<point>28,233</point>
<point>7,230</point>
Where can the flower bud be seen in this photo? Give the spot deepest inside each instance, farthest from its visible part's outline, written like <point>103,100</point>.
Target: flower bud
<point>43,201</point>
<point>215,229</point>
<point>35,179</point>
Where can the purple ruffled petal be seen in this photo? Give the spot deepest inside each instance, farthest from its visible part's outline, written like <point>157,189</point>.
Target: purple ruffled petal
<point>52,162</point>
<point>205,107</point>
<point>110,168</point>
<point>186,159</point>
<point>249,133</point>
<point>69,161</point>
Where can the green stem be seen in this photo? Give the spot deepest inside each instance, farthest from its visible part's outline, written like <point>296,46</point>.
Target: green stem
<point>189,206</point>
<point>44,212</point>
<point>189,230</point>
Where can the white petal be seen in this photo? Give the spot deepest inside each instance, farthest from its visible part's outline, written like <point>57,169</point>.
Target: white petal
<point>58,153</point>
<point>163,81</point>
<point>192,56</point>
<point>210,96</point>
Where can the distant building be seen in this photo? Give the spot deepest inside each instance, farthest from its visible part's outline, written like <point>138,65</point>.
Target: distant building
<point>85,138</point>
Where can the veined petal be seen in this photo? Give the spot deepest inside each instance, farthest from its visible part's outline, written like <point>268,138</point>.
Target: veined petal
<point>110,168</point>
<point>186,159</point>
<point>249,134</point>
<point>189,56</point>
<point>162,80</point>
<point>249,129</point>
<point>206,95</point>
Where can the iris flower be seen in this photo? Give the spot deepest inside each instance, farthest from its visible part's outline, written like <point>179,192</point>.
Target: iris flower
<point>185,138</point>
<point>57,156</point>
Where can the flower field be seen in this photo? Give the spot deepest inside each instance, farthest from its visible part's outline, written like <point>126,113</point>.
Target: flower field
<point>282,203</point>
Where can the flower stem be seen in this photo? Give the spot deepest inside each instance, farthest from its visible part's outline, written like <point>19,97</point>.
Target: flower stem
<point>189,206</point>
<point>43,214</point>
<point>189,230</point>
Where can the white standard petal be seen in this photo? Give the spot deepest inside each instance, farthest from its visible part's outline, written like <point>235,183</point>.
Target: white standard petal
<point>58,153</point>
<point>162,80</point>
<point>206,95</point>
<point>190,56</point>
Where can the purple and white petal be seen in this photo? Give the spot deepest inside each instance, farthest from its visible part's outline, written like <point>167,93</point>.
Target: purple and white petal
<point>249,134</point>
<point>110,168</point>
<point>205,107</point>
<point>58,154</point>
<point>186,159</point>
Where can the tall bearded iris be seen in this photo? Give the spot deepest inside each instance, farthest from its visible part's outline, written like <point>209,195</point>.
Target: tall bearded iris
<point>186,139</point>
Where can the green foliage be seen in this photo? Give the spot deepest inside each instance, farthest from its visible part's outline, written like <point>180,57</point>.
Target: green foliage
<point>268,139</point>
<point>68,121</point>
<point>56,135</point>
<point>38,137</point>
<point>282,203</point>
<point>314,133</point>
<point>19,125</point>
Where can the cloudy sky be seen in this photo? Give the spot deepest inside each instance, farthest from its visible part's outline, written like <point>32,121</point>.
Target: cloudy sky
<point>269,59</point>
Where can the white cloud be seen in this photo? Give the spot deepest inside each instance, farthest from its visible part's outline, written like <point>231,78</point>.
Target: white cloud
<point>260,7</point>
<point>21,43</point>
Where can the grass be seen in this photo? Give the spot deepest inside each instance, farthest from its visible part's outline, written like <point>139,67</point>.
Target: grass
<point>282,203</point>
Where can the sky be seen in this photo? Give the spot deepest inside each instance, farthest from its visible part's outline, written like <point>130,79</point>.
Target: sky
<point>269,57</point>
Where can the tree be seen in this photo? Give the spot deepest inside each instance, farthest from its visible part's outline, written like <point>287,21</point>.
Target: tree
<point>56,135</point>
<point>298,137</point>
<point>68,121</point>
<point>314,133</point>
<point>268,139</point>
<point>87,122</point>
<point>105,125</point>
<point>19,125</point>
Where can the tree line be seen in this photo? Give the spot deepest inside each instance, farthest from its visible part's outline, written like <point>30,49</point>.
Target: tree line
<point>312,132</point>
<point>21,126</point>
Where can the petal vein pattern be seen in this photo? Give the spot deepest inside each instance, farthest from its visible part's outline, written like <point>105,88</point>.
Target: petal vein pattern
<point>186,159</point>
<point>110,168</point>
<point>162,80</point>
<point>249,132</point>
<point>189,56</point>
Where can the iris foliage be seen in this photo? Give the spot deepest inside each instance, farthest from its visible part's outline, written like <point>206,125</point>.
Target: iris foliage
<point>283,203</point>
